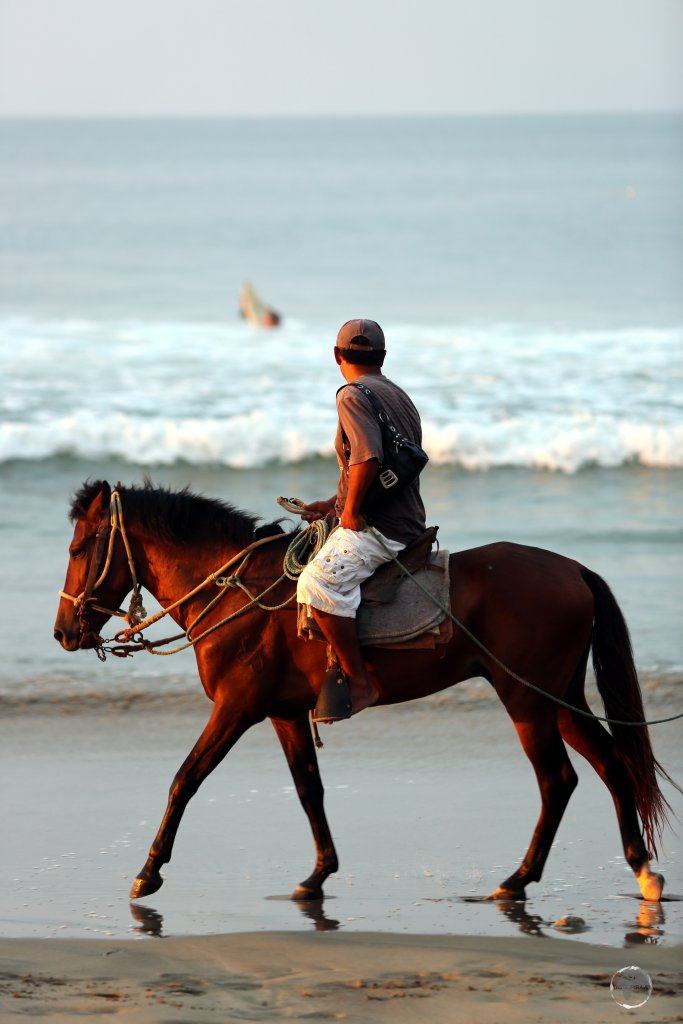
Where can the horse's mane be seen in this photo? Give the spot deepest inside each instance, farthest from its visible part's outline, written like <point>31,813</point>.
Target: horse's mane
<point>178,515</point>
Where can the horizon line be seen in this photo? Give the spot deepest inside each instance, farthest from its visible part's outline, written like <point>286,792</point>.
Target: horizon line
<point>338,116</point>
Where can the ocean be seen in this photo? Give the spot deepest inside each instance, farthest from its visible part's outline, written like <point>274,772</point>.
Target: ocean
<point>527,273</point>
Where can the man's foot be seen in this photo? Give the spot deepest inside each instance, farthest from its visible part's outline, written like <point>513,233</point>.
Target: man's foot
<point>363,696</point>
<point>334,699</point>
<point>340,698</point>
<point>348,689</point>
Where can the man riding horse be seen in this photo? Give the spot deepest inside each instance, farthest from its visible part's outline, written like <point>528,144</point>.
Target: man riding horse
<point>330,584</point>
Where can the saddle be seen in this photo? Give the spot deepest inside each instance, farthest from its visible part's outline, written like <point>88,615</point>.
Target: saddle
<point>394,611</point>
<point>382,586</point>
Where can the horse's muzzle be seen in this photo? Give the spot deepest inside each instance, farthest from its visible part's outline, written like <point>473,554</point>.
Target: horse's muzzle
<point>69,641</point>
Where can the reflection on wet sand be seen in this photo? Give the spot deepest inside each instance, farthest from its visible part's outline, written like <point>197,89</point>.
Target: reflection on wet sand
<point>150,922</point>
<point>515,911</point>
<point>528,924</point>
<point>313,909</point>
<point>647,928</point>
<point>648,920</point>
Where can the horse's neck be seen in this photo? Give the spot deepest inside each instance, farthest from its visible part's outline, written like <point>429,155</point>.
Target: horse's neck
<point>170,571</point>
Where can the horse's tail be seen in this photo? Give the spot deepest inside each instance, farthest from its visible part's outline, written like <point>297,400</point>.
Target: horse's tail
<point>617,681</point>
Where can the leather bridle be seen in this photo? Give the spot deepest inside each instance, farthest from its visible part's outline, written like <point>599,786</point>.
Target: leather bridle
<point>85,603</point>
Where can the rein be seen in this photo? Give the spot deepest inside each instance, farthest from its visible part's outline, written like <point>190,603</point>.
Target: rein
<point>126,642</point>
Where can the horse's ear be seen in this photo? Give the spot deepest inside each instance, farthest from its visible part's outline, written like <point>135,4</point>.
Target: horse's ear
<point>105,496</point>
<point>99,504</point>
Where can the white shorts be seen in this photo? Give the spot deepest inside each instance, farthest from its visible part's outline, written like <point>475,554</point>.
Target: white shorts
<point>331,581</point>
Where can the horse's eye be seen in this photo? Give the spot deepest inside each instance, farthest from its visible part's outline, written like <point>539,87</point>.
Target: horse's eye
<point>77,552</point>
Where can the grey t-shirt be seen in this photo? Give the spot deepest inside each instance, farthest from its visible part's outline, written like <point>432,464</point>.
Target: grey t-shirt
<point>403,517</point>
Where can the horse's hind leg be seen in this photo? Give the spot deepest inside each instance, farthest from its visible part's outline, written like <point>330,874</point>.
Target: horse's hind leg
<point>224,728</point>
<point>592,741</point>
<point>557,780</point>
<point>297,743</point>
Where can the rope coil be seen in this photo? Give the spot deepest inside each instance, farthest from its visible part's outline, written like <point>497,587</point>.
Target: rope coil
<point>305,546</point>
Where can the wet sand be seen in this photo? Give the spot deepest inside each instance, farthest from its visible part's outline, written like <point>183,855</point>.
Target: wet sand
<point>431,806</point>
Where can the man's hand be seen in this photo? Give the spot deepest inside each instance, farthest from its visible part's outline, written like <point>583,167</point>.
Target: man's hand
<point>353,521</point>
<point>318,509</point>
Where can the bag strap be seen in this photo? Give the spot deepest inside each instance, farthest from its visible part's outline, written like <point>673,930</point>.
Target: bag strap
<point>384,420</point>
<point>372,398</point>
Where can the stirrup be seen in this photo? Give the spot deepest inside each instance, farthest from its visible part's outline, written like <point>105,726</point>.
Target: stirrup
<point>334,700</point>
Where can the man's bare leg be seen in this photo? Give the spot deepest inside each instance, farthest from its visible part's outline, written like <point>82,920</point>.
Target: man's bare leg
<point>342,633</point>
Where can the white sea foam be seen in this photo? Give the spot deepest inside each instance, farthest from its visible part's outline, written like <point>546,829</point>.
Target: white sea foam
<point>252,440</point>
<point>157,394</point>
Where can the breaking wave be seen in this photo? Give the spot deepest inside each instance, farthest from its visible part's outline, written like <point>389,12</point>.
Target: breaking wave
<point>253,440</point>
<point>155,394</point>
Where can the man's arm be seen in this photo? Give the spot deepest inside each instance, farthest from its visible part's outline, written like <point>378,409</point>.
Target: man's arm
<point>361,475</point>
<point>318,509</point>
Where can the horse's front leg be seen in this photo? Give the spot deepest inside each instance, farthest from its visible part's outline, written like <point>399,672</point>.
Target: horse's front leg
<point>224,728</point>
<point>297,743</point>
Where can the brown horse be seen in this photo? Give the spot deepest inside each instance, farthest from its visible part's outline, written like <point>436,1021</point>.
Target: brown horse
<point>540,612</point>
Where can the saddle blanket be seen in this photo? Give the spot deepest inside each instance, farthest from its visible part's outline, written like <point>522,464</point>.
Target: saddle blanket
<point>410,620</point>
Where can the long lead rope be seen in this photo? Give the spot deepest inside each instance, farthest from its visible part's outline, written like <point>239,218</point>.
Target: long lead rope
<point>499,663</point>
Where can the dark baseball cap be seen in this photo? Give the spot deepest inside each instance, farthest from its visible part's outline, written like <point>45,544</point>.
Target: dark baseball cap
<point>362,335</point>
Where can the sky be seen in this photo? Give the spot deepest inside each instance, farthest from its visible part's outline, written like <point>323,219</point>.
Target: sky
<point>328,57</point>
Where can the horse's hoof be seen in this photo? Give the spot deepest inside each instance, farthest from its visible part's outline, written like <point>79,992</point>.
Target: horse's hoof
<point>651,885</point>
<point>146,886</point>
<point>303,892</point>
<point>501,893</point>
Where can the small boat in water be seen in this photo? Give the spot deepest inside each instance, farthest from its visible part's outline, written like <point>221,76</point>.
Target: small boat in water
<point>254,309</point>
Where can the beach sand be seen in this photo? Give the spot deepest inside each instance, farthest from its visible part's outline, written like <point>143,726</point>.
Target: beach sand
<point>327,976</point>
